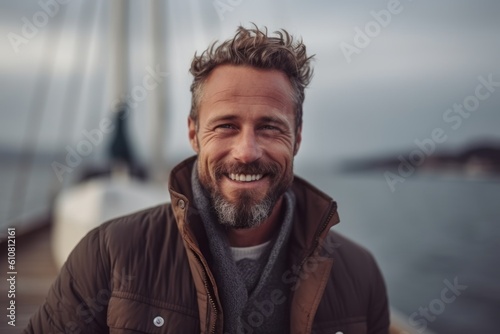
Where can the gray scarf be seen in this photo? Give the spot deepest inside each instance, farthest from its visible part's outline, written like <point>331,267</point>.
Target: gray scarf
<point>250,304</point>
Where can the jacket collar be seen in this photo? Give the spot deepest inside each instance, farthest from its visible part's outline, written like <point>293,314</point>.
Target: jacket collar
<point>315,212</point>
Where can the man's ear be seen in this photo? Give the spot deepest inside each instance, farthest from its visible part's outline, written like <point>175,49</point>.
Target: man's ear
<point>298,140</point>
<point>193,140</point>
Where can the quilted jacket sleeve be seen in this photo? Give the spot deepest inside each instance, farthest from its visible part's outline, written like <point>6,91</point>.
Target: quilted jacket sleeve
<point>77,301</point>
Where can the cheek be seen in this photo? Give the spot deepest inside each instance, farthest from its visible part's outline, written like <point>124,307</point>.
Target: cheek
<point>207,165</point>
<point>282,154</point>
<point>212,153</point>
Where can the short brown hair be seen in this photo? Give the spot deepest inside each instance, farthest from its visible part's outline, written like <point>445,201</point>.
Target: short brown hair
<point>253,47</point>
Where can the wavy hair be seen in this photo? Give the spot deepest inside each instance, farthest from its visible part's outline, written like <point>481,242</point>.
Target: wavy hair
<point>254,47</point>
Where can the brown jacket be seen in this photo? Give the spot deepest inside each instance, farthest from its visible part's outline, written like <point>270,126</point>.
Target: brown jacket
<point>143,273</point>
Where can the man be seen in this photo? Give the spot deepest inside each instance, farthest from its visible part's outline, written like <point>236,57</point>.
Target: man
<point>244,246</point>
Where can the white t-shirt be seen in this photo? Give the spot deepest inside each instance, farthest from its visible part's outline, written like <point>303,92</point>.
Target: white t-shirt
<point>252,252</point>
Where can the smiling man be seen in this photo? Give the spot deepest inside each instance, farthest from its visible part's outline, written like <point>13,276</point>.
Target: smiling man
<point>245,246</point>
<point>245,134</point>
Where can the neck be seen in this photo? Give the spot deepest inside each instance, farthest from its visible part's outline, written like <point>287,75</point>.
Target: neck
<point>257,235</point>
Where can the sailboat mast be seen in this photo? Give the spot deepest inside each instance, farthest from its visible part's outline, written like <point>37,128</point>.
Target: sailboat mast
<point>160,94</point>
<point>119,53</point>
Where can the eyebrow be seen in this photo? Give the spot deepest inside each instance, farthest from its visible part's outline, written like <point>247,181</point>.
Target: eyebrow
<point>218,119</point>
<point>274,120</point>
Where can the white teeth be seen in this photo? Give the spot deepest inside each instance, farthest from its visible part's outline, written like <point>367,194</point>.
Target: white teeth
<point>245,177</point>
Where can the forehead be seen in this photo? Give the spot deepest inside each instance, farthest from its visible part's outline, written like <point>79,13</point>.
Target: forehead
<point>238,87</point>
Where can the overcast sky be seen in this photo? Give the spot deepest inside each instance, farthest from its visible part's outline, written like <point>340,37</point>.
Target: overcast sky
<point>377,100</point>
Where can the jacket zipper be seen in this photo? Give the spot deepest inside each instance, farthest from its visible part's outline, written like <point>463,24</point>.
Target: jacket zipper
<point>205,279</point>
<point>316,237</point>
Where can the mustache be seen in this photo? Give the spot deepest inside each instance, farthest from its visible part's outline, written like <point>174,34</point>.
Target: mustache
<point>256,167</point>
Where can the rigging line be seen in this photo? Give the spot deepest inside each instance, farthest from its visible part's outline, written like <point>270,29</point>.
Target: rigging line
<point>91,121</point>
<point>36,110</point>
<point>81,61</point>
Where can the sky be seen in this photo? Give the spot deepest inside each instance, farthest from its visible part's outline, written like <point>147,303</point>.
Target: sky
<point>386,72</point>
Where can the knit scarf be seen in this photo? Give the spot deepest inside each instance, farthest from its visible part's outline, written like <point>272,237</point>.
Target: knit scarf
<point>260,307</point>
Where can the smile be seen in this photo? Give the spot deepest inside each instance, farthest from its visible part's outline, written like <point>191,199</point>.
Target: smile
<point>245,177</point>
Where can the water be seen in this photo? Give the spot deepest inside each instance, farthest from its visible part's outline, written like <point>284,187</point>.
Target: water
<point>429,230</point>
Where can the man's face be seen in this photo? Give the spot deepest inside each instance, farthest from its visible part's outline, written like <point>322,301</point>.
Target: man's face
<point>246,139</point>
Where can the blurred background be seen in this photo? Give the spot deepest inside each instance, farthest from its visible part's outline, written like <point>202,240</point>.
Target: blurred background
<point>401,127</point>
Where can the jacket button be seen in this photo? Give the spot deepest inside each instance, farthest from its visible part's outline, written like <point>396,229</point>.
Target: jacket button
<point>158,321</point>
<point>181,203</point>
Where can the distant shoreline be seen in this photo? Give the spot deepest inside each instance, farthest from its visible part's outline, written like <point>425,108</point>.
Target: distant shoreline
<point>473,161</point>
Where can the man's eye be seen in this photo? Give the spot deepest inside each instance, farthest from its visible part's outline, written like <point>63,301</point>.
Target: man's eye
<point>225,126</point>
<point>269,127</point>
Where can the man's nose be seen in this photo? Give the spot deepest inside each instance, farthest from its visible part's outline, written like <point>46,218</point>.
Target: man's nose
<point>247,149</point>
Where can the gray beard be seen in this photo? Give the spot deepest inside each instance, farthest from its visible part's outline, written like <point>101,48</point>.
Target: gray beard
<point>242,214</point>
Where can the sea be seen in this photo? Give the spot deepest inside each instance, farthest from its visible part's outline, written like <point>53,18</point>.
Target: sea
<point>436,237</point>
<point>432,232</point>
